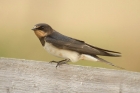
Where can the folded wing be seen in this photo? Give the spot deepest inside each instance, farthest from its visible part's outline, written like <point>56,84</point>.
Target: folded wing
<point>67,43</point>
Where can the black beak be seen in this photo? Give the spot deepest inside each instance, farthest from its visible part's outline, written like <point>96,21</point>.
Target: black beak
<point>33,29</point>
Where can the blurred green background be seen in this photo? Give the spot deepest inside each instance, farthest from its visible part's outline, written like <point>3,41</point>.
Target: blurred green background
<point>108,24</point>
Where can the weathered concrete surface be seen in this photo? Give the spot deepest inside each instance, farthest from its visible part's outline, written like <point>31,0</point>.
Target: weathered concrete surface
<point>27,76</point>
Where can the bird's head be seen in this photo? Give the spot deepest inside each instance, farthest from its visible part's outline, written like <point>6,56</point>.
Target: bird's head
<point>42,30</point>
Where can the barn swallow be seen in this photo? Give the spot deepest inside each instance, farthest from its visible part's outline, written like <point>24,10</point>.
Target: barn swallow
<point>70,49</point>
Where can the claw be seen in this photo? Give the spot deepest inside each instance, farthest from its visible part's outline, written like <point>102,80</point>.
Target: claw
<point>57,65</point>
<point>53,62</point>
<point>60,62</point>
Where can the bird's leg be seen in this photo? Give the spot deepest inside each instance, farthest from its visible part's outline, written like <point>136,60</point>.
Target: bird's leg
<point>57,61</point>
<point>62,62</point>
<point>65,61</point>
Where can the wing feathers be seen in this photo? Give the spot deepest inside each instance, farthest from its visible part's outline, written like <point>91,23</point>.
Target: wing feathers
<point>64,42</point>
<point>103,49</point>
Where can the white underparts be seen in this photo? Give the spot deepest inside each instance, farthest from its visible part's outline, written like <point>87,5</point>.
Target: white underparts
<point>67,54</point>
<point>88,57</point>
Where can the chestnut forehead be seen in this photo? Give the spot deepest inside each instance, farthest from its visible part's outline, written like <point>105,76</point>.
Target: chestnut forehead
<point>36,26</point>
<point>40,25</point>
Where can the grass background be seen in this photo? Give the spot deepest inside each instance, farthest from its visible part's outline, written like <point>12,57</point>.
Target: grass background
<point>108,24</point>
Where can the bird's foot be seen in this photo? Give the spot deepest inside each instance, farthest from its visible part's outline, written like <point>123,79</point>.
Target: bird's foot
<point>53,62</point>
<point>60,62</point>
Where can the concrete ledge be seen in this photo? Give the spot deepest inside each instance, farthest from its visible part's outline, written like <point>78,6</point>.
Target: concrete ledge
<point>28,76</point>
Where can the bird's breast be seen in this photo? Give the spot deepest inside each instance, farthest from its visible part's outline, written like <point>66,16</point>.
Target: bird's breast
<point>67,54</point>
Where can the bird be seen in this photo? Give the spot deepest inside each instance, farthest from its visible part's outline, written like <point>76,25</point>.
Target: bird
<point>70,49</point>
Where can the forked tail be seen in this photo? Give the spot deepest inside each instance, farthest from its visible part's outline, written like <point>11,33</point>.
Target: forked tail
<point>109,63</point>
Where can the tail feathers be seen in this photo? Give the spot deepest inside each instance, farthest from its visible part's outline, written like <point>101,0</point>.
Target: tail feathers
<point>113,54</point>
<point>105,52</point>
<point>109,63</point>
